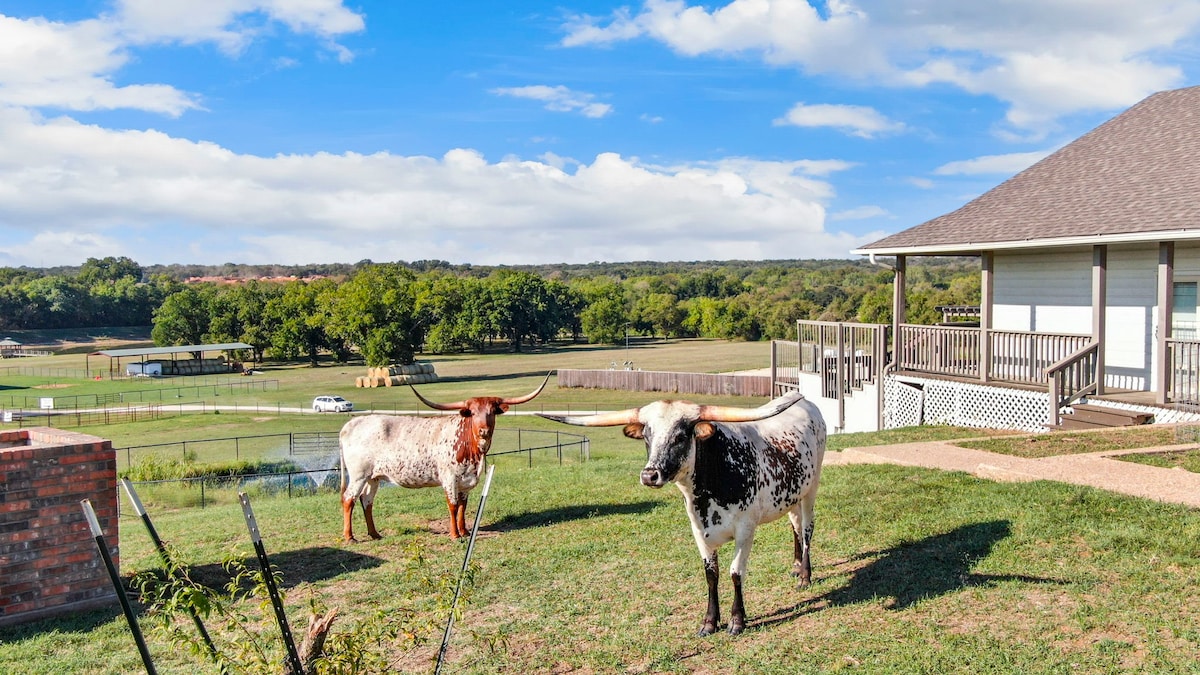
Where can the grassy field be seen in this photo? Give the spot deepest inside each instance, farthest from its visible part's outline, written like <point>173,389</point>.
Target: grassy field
<point>581,569</point>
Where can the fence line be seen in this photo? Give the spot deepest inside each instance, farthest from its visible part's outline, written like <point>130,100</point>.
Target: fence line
<point>714,384</point>
<point>159,394</point>
<point>212,489</point>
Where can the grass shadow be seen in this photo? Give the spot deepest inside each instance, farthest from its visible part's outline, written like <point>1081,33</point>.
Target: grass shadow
<point>913,571</point>
<point>81,621</point>
<point>564,514</point>
<point>306,565</point>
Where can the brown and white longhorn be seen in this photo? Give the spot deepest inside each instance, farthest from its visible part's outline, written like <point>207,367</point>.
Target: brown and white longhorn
<point>416,452</point>
<point>737,468</point>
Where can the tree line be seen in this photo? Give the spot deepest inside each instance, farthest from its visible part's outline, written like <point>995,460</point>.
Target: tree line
<point>388,312</point>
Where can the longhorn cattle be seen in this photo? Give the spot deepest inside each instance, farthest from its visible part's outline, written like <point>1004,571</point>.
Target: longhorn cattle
<point>737,468</point>
<point>416,452</point>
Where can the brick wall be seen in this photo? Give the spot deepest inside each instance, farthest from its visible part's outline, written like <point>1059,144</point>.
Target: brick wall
<point>49,564</point>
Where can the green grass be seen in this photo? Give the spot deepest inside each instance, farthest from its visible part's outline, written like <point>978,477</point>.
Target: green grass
<point>581,569</point>
<point>1076,442</point>
<point>1188,460</point>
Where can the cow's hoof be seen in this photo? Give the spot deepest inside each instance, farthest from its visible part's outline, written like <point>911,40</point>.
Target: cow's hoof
<point>707,629</point>
<point>736,628</point>
<point>376,535</point>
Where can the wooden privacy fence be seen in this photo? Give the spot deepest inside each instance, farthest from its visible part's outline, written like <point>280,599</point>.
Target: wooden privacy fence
<point>712,384</point>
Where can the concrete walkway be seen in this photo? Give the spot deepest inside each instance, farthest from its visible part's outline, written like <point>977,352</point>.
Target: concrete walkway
<point>1097,470</point>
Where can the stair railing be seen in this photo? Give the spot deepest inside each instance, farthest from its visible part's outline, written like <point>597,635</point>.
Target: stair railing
<point>1072,378</point>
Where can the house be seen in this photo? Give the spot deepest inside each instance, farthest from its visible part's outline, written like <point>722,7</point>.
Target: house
<point>1089,263</point>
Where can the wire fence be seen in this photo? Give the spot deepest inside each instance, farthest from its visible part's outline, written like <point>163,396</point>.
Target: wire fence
<point>196,387</point>
<point>308,464</point>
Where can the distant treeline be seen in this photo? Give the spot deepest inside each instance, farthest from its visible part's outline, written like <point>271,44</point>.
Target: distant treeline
<point>387,312</point>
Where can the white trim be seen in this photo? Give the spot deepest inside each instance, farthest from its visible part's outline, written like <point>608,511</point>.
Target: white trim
<point>1088,240</point>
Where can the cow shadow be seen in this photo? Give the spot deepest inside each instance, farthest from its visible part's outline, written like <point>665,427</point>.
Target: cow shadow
<point>563,514</point>
<point>914,571</point>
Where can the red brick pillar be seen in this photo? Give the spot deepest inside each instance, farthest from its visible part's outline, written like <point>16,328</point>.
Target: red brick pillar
<point>49,564</point>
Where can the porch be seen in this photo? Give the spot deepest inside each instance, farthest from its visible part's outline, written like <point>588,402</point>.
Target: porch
<point>850,359</point>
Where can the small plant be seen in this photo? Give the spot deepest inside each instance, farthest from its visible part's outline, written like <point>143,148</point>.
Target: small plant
<point>242,635</point>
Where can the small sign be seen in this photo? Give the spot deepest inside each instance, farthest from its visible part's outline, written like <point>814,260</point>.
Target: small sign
<point>47,403</point>
<point>8,416</point>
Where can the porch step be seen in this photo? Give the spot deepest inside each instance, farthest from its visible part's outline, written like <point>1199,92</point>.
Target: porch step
<point>1088,416</point>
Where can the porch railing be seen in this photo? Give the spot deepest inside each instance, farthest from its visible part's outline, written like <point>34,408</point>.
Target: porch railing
<point>1183,373</point>
<point>851,354</point>
<point>1018,357</point>
<point>1072,378</point>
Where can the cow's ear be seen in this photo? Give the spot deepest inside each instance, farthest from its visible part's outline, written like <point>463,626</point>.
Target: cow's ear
<point>634,430</point>
<point>704,430</point>
<point>502,408</point>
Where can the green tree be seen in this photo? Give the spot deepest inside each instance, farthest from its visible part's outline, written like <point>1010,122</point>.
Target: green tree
<point>375,310</point>
<point>662,312</point>
<point>527,307</point>
<point>183,318</point>
<point>299,318</point>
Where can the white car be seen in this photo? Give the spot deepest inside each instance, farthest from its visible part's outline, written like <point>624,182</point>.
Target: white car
<point>331,404</point>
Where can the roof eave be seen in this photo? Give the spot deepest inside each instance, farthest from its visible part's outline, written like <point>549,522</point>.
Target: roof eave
<point>975,248</point>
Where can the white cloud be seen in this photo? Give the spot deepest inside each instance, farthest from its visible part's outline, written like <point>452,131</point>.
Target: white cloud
<point>160,199</point>
<point>233,24</point>
<point>558,99</point>
<point>861,213</point>
<point>45,63</point>
<point>992,164</point>
<point>1044,58</point>
<point>855,120</point>
<point>49,64</point>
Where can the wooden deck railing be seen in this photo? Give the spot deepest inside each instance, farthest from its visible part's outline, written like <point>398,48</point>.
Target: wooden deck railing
<point>1019,357</point>
<point>1183,374</point>
<point>1072,378</point>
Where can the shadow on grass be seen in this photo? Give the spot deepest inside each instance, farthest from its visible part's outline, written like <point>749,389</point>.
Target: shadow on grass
<point>302,566</point>
<point>915,571</point>
<point>564,514</point>
<point>307,565</point>
<point>83,621</point>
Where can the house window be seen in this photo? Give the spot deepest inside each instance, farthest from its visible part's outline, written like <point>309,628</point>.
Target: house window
<point>1183,311</point>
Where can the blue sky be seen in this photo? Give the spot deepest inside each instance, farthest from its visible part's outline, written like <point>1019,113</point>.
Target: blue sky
<point>308,131</point>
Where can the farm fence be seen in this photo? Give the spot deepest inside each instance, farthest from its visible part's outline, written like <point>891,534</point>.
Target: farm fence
<point>714,384</point>
<point>308,463</point>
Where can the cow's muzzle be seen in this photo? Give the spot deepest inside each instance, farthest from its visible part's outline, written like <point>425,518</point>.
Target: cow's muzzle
<point>652,477</point>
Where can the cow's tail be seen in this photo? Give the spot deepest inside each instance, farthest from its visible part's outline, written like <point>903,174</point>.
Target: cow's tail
<point>341,470</point>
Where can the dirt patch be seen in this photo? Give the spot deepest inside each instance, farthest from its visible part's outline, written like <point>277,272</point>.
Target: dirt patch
<point>52,386</point>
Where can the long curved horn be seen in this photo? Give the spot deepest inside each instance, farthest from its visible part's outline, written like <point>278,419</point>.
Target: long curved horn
<point>530,396</point>
<point>609,419</point>
<point>717,413</point>
<point>457,405</point>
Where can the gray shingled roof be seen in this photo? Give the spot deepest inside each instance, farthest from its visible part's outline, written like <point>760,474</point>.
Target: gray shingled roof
<point>1134,178</point>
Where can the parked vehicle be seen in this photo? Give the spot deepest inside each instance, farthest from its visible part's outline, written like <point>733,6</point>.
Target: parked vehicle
<point>331,404</point>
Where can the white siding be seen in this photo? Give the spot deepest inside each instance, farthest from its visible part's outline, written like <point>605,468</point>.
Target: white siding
<point>1129,329</point>
<point>1052,293</point>
<point>1043,292</point>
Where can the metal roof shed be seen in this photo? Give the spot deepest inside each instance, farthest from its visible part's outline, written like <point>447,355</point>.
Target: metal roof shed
<point>143,352</point>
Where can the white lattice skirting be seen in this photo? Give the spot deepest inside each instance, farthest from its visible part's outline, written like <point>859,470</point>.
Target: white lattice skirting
<point>910,401</point>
